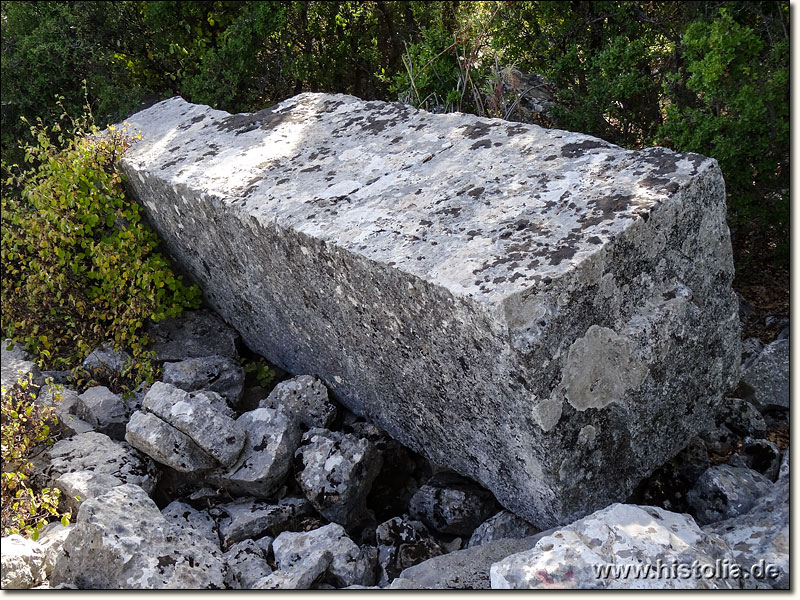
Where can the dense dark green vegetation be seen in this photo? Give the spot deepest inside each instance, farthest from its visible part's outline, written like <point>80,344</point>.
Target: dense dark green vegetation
<point>709,77</point>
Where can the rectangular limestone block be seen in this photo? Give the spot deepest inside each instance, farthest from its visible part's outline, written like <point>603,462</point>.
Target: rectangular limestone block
<point>539,310</point>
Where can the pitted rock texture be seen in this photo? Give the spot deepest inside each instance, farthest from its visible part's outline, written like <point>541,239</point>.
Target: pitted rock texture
<point>216,373</point>
<point>121,541</point>
<point>454,279</point>
<point>575,556</point>
<point>305,399</point>
<point>97,453</point>
<point>724,491</point>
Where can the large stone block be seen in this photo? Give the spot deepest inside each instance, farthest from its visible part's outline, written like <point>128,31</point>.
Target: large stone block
<point>539,310</point>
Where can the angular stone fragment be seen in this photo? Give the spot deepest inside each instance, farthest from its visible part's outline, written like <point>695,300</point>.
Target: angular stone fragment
<point>302,575</point>
<point>183,516</point>
<point>79,486</point>
<point>51,540</point>
<point>741,417</point>
<point>216,373</point>
<point>104,410</point>
<point>247,563</point>
<point>305,398</point>
<point>165,444</point>
<point>603,551</point>
<point>350,564</point>
<point>194,415</point>
<point>16,366</point>
<point>463,569</point>
<point>760,539</point>
<point>451,504</point>
<point>23,563</point>
<point>335,471</point>
<point>766,380</point>
<point>525,321</point>
<point>402,544</point>
<point>65,403</point>
<point>194,334</point>
<point>504,524</point>
<point>271,439</point>
<point>724,491</point>
<point>107,360</point>
<point>250,518</point>
<point>96,452</point>
<point>121,541</point>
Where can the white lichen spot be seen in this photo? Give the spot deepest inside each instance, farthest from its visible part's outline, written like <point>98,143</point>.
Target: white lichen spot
<point>600,369</point>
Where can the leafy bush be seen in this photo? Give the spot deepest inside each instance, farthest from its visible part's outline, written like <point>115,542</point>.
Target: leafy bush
<point>740,116</point>
<point>25,427</point>
<point>79,265</point>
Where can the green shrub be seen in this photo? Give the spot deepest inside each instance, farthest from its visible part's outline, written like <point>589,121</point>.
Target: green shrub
<point>26,426</point>
<point>79,265</point>
<point>740,116</point>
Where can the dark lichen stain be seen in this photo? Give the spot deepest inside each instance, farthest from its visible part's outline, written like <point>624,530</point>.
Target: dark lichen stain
<point>198,118</point>
<point>170,163</point>
<point>477,130</point>
<point>425,222</point>
<point>575,150</point>
<point>481,144</point>
<point>475,192</point>
<point>594,240</point>
<point>515,130</point>
<point>399,138</point>
<point>561,254</point>
<point>311,169</point>
<point>614,203</point>
<point>281,181</point>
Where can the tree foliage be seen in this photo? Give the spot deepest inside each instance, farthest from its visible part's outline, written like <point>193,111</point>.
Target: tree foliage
<point>710,76</point>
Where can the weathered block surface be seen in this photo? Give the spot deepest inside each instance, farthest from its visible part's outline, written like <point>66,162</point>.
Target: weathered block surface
<point>540,310</point>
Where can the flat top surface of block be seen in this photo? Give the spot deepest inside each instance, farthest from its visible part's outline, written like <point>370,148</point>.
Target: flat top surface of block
<point>484,207</point>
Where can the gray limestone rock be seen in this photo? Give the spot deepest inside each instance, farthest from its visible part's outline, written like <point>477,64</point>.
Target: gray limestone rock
<point>350,564</point>
<point>760,539</point>
<point>504,524</point>
<point>464,569</point>
<point>15,365</point>
<point>272,439</point>
<point>248,518</point>
<point>524,322</point>
<point>107,359</point>
<point>585,554</point>
<point>121,541</point>
<point>216,373</point>
<point>766,380</point>
<point>741,417</point>
<point>305,398</point>
<point>302,576</point>
<point>402,543</point>
<point>165,444</point>
<point>79,486</point>
<point>184,516</point>
<point>452,504</point>
<point>96,452</point>
<point>724,491</point>
<point>217,435</point>
<point>104,410</point>
<point>194,334</point>
<point>335,471</point>
<point>23,563</point>
<point>65,401</point>
<point>247,564</point>
<point>51,540</point>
